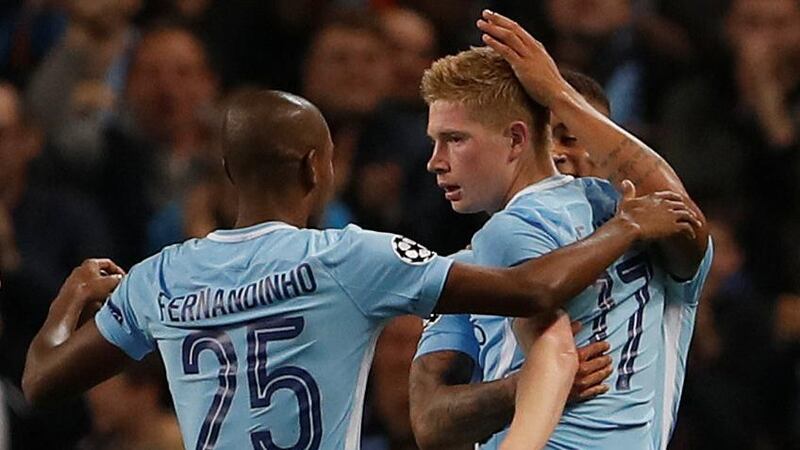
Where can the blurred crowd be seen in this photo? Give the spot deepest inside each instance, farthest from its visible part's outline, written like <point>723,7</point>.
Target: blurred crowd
<point>108,113</point>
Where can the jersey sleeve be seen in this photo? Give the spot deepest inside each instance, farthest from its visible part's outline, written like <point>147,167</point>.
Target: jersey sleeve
<point>118,322</point>
<point>688,291</point>
<point>449,332</point>
<point>507,240</point>
<point>386,275</point>
<point>602,197</point>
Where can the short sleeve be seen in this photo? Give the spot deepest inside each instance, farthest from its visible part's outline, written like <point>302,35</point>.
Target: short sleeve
<point>507,240</point>
<point>450,332</point>
<point>118,322</point>
<point>688,291</point>
<point>602,197</point>
<point>386,275</point>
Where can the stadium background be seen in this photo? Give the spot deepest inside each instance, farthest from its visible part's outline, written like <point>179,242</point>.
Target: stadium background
<point>107,151</point>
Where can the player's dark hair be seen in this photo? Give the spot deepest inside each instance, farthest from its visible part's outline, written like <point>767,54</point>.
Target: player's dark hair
<point>587,87</point>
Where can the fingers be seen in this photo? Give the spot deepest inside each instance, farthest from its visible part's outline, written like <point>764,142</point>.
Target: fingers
<point>592,350</point>
<point>99,265</point>
<point>498,19</point>
<point>598,364</point>
<point>105,285</point>
<point>688,230</point>
<point>505,51</point>
<point>591,392</point>
<point>668,195</point>
<point>576,327</point>
<point>628,190</point>
<point>503,36</point>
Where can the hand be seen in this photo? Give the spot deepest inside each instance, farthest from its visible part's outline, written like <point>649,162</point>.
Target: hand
<point>532,65</point>
<point>658,215</point>
<point>594,366</point>
<point>92,282</point>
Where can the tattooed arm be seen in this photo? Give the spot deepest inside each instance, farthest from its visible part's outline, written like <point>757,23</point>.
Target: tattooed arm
<point>618,154</point>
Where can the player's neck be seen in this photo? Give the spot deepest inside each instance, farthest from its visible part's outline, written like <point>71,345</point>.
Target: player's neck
<point>530,172</point>
<point>272,210</point>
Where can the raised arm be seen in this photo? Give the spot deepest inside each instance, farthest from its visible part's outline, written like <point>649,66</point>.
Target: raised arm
<point>65,357</point>
<point>618,154</point>
<point>542,285</point>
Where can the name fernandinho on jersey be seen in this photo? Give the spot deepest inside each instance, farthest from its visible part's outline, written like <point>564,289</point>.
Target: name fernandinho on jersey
<point>209,303</point>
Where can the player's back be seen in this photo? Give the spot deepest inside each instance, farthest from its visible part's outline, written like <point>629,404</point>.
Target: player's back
<point>267,332</point>
<point>625,307</point>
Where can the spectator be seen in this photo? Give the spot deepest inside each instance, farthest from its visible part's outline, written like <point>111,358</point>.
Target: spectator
<point>389,382</point>
<point>74,92</point>
<point>28,29</point>
<point>738,378</point>
<point>209,203</point>
<point>165,124</point>
<point>346,74</point>
<point>44,233</point>
<point>150,425</point>
<point>741,118</point>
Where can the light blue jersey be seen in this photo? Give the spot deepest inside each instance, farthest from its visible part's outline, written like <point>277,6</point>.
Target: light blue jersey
<point>267,333</point>
<point>453,332</point>
<point>625,307</point>
<point>680,310</point>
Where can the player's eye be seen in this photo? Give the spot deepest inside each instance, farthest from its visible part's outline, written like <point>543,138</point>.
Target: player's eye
<point>455,139</point>
<point>568,141</point>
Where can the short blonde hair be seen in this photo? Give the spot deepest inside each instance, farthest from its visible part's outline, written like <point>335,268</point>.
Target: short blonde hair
<point>481,79</point>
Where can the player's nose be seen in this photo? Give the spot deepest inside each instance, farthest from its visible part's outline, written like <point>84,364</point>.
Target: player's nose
<point>438,163</point>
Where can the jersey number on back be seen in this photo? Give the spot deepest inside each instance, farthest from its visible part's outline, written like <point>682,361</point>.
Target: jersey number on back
<point>630,270</point>
<point>262,382</point>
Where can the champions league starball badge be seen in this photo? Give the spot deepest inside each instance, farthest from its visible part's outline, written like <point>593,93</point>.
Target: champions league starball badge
<point>411,252</point>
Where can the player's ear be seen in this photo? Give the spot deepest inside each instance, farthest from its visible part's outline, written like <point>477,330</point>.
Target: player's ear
<point>308,169</point>
<point>520,138</point>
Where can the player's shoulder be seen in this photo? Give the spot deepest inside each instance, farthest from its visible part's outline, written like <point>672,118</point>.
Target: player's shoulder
<point>598,188</point>
<point>523,213</point>
<point>367,245</point>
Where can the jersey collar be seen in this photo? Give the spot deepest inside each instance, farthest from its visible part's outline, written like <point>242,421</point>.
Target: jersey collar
<point>542,185</point>
<point>247,233</point>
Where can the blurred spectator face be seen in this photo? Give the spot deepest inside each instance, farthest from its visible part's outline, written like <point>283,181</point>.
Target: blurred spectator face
<point>103,17</point>
<point>347,72</point>
<point>569,153</point>
<point>412,40</point>
<point>589,18</point>
<point>170,83</point>
<point>390,370</point>
<point>773,23</point>
<point>18,143</point>
<point>728,254</point>
<point>192,8</point>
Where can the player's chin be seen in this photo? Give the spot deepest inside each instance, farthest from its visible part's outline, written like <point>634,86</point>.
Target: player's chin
<point>464,207</point>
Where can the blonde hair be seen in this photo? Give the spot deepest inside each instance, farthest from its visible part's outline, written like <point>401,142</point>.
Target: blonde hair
<point>481,79</point>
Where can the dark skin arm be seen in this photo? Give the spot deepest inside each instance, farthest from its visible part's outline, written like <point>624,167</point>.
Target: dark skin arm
<point>449,413</point>
<point>618,154</point>
<point>65,358</point>
<point>544,284</point>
